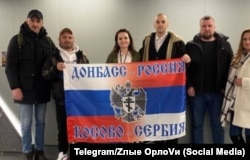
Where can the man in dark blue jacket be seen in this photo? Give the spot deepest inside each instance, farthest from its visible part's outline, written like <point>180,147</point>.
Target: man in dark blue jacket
<point>27,52</point>
<point>207,73</point>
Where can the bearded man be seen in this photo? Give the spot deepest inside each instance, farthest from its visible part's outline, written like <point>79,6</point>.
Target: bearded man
<point>210,54</point>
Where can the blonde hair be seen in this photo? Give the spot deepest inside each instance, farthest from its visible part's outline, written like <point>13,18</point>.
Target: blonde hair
<point>241,50</point>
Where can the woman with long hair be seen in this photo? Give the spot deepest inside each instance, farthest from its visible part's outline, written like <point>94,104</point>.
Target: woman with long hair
<point>123,50</point>
<point>236,108</point>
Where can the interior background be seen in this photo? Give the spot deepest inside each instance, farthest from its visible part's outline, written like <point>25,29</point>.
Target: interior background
<point>94,23</point>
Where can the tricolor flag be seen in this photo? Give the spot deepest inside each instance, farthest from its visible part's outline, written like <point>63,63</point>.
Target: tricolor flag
<point>109,103</point>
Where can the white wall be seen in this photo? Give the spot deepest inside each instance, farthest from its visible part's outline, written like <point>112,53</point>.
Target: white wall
<point>94,23</point>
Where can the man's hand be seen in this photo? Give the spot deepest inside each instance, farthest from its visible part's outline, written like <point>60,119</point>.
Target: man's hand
<point>17,94</point>
<point>191,91</point>
<point>186,58</point>
<point>60,66</point>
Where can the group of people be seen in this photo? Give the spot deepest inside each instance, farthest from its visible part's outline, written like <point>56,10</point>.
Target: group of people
<point>218,82</point>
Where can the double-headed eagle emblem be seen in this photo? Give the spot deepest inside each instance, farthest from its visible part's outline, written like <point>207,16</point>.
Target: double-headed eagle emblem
<point>129,104</point>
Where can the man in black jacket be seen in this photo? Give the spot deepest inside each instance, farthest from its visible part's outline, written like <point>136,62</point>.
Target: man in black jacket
<point>67,52</point>
<point>207,73</point>
<point>163,44</point>
<point>27,52</point>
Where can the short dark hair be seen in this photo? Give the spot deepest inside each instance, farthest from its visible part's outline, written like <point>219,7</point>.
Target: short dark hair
<point>207,17</point>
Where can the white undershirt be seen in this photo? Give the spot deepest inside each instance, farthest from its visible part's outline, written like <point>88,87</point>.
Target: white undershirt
<point>159,41</point>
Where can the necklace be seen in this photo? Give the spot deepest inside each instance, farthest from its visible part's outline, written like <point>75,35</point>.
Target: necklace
<point>123,60</point>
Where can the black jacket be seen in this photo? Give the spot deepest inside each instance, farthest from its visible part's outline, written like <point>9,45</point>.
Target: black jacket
<point>195,71</point>
<point>172,45</point>
<point>51,73</point>
<point>24,66</point>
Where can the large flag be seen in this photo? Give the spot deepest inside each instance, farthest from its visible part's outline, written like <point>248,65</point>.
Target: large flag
<point>142,101</point>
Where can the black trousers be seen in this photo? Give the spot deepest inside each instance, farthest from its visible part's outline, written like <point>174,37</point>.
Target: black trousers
<point>62,136</point>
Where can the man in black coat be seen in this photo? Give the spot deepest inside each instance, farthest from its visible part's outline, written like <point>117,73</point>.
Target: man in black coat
<point>207,74</point>
<point>163,44</point>
<point>27,52</point>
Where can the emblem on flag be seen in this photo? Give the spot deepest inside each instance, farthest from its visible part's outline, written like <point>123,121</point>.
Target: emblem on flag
<point>129,104</point>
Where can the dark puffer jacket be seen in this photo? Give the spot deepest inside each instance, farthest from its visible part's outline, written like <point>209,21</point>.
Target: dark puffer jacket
<point>196,69</point>
<point>51,73</point>
<point>24,66</point>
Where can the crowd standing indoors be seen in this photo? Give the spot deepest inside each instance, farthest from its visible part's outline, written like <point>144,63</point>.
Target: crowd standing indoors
<point>217,82</point>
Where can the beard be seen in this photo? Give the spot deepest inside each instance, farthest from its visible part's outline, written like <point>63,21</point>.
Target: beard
<point>66,45</point>
<point>207,35</point>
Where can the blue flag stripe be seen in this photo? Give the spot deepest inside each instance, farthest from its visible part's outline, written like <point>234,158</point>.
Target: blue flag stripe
<point>97,103</point>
